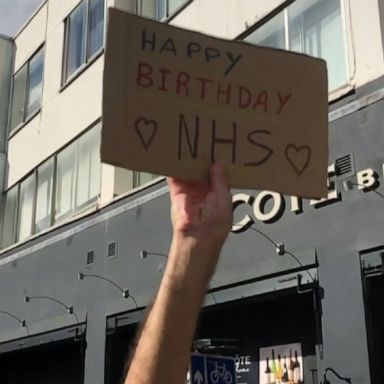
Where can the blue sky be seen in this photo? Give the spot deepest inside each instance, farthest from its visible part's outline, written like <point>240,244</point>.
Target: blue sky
<point>14,13</point>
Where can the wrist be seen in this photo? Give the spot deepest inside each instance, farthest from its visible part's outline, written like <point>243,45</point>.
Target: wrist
<point>191,263</point>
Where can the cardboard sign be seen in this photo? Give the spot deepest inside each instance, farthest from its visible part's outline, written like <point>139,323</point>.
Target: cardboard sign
<point>174,101</point>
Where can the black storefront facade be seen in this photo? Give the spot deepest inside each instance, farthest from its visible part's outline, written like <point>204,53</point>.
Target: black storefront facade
<point>295,275</point>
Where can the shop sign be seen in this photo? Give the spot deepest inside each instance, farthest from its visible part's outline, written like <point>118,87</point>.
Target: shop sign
<point>366,180</point>
<point>246,369</point>
<point>210,369</point>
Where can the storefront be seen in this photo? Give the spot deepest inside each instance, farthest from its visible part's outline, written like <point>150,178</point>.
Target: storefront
<point>52,357</point>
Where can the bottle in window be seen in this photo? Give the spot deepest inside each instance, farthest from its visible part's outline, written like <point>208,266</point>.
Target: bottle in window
<point>279,370</point>
<point>267,372</point>
<point>273,368</point>
<point>285,371</point>
<point>296,370</point>
<point>291,365</point>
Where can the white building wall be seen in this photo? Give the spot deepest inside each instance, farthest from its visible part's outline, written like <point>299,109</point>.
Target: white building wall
<point>31,37</point>
<point>66,111</point>
<point>364,41</point>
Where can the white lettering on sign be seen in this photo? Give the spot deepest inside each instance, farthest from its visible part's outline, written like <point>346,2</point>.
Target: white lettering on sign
<point>241,363</point>
<point>259,206</point>
<point>366,180</point>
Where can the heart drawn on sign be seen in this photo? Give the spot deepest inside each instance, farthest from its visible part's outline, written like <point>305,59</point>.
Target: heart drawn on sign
<point>298,156</point>
<point>146,129</point>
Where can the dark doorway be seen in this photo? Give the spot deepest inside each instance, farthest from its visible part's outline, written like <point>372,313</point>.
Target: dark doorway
<point>260,322</point>
<point>59,362</point>
<point>373,286</point>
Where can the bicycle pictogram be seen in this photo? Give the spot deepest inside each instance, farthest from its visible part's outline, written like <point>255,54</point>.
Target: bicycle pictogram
<point>220,372</point>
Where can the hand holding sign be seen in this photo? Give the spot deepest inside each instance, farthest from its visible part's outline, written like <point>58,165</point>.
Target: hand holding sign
<point>175,101</point>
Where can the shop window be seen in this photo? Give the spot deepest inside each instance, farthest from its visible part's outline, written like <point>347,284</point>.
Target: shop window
<point>27,90</point>
<point>313,27</point>
<point>84,35</point>
<point>8,233</point>
<point>26,207</point>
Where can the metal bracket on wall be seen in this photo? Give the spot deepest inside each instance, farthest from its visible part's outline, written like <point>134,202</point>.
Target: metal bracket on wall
<point>317,296</point>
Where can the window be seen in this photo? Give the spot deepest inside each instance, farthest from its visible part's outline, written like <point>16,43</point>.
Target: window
<point>88,184</point>
<point>78,174</point>
<point>8,233</point>
<point>26,207</point>
<point>159,9</point>
<point>66,183</point>
<point>27,90</point>
<point>84,34</point>
<point>165,8</point>
<point>141,178</point>
<point>44,193</point>
<point>313,27</point>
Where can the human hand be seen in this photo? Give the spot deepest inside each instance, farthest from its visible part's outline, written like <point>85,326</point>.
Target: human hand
<point>201,211</point>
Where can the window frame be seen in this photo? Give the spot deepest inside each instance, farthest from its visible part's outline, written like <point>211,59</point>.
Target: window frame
<point>348,85</point>
<point>26,118</point>
<point>88,60</point>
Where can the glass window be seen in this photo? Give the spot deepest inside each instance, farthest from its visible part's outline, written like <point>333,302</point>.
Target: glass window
<point>84,34</point>
<point>27,90</point>
<point>173,5</point>
<point>313,27</point>
<point>18,97</point>
<point>65,182</point>
<point>159,9</point>
<point>88,176</point>
<point>9,218</point>
<point>271,34</point>
<point>35,83</point>
<point>141,178</point>
<point>26,207</point>
<point>44,196</point>
<point>76,42</point>
<point>96,26</point>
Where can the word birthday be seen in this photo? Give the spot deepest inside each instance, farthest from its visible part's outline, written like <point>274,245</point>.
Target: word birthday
<point>210,90</point>
<point>150,41</point>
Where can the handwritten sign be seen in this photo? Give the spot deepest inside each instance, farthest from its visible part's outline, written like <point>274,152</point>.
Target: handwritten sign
<point>175,101</point>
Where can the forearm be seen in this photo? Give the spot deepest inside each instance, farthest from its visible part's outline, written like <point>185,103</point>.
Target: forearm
<point>162,355</point>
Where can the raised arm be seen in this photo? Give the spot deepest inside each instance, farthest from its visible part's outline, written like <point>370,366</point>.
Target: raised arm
<point>201,218</point>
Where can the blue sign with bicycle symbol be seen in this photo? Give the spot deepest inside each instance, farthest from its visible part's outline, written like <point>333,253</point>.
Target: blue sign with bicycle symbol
<point>208,369</point>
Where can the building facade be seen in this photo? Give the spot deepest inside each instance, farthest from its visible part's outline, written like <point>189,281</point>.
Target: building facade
<point>84,244</point>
